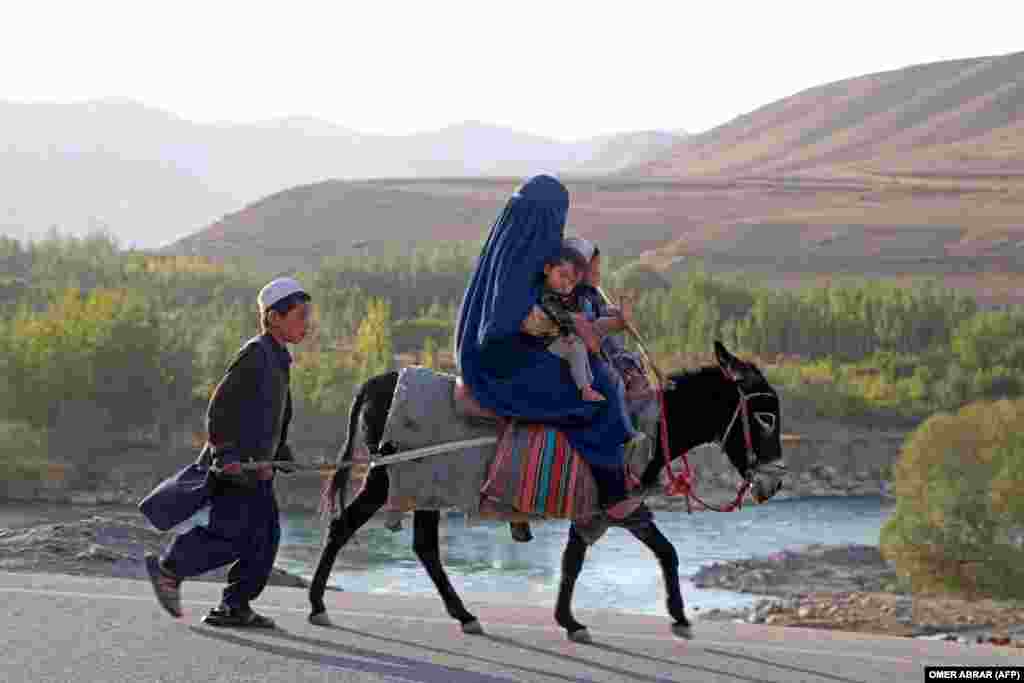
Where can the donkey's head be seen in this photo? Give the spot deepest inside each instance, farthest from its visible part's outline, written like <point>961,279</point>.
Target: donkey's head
<point>733,405</point>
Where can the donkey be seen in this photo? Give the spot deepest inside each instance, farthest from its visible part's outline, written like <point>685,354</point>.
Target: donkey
<point>730,403</point>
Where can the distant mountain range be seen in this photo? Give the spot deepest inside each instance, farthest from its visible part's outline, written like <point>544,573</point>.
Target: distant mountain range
<point>148,176</point>
<point>938,147</point>
<point>961,118</point>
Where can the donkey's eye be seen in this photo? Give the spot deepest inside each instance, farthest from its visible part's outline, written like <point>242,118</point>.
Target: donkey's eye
<point>767,422</point>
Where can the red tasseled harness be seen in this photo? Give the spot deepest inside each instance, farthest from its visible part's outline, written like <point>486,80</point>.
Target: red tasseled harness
<point>681,483</point>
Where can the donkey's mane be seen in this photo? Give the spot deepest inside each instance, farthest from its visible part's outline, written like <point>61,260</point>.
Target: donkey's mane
<point>703,372</point>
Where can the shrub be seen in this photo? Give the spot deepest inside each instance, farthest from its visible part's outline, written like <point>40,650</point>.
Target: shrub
<point>23,452</point>
<point>958,519</point>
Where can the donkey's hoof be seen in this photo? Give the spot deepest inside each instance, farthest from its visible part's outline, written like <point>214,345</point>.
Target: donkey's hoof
<point>473,628</point>
<point>320,619</point>
<point>580,635</point>
<point>684,631</point>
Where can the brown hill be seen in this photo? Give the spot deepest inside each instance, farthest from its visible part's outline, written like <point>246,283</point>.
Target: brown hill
<point>298,227</point>
<point>955,118</point>
<point>918,171</point>
<point>915,172</point>
<point>785,232</point>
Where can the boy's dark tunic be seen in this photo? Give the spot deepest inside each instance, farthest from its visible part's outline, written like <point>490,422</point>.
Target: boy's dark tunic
<point>247,420</point>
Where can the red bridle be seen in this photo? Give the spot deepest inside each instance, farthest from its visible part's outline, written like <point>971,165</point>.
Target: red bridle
<point>681,484</point>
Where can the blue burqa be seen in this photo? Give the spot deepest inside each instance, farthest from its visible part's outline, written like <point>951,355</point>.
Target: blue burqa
<point>510,372</point>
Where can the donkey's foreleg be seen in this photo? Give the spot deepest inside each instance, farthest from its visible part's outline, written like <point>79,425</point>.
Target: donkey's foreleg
<point>427,546</point>
<point>572,563</point>
<point>649,534</point>
<point>369,500</point>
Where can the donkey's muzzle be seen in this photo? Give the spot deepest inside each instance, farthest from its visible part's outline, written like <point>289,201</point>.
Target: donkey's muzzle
<point>767,483</point>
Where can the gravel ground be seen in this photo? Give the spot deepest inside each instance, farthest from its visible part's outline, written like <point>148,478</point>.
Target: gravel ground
<point>851,587</point>
<point>111,544</point>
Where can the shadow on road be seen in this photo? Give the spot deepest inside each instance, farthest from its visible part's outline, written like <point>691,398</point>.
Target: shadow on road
<point>385,665</point>
<point>768,662</point>
<point>426,672</point>
<point>579,660</point>
<point>730,655</point>
<point>512,642</point>
<point>316,642</point>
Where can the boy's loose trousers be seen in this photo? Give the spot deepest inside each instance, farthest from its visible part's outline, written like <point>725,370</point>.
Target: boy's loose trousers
<point>244,528</point>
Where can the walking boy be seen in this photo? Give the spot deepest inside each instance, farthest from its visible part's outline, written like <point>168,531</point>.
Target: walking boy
<point>247,421</point>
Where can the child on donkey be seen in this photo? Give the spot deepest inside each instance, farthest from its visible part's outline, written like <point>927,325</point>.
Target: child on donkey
<point>247,421</point>
<point>636,390</point>
<point>561,274</point>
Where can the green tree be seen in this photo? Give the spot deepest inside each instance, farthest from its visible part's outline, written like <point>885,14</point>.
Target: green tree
<point>957,521</point>
<point>373,339</point>
<point>93,365</point>
<point>991,340</point>
<point>428,357</point>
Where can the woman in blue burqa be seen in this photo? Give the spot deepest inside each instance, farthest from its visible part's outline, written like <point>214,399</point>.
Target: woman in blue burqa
<point>512,373</point>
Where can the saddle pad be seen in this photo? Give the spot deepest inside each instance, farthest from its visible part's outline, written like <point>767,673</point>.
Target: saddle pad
<point>423,414</point>
<point>536,471</point>
<point>532,469</point>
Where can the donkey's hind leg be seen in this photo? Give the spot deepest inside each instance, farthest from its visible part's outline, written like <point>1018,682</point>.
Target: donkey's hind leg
<point>426,545</point>
<point>649,534</point>
<point>572,563</point>
<point>369,500</point>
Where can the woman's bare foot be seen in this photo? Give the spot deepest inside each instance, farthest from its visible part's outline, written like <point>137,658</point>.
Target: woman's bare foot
<point>640,393</point>
<point>591,394</point>
<point>638,388</point>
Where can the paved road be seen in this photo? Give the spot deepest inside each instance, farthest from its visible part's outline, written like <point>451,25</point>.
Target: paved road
<point>78,629</point>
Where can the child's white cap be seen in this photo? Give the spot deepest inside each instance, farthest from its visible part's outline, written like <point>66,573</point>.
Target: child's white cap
<point>278,289</point>
<point>584,248</point>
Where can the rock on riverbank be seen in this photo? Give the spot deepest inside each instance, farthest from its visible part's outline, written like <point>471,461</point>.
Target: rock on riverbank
<point>821,568</point>
<point>853,588</point>
<point>102,545</point>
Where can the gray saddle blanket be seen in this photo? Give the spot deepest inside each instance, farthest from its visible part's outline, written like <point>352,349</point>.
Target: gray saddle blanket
<point>423,413</point>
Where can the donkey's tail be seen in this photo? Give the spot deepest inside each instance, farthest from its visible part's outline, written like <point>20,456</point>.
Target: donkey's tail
<point>332,496</point>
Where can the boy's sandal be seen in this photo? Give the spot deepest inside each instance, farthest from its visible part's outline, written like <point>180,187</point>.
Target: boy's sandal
<point>260,621</point>
<point>166,586</point>
<point>237,618</point>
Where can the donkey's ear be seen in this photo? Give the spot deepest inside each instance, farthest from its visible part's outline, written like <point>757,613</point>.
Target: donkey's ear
<point>728,362</point>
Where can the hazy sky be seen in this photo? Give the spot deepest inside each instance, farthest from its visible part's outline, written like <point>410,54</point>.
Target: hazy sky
<point>556,68</point>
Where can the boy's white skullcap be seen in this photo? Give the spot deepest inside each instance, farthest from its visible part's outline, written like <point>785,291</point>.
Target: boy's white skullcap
<point>278,289</point>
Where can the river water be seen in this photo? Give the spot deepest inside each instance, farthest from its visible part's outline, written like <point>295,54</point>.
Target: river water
<point>484,562</point>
